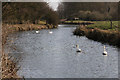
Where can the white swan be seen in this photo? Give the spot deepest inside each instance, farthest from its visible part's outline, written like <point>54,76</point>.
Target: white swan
<point>105,52</point>
<point>37,32</point>
<point>50,32</point>
<point>78,49</point>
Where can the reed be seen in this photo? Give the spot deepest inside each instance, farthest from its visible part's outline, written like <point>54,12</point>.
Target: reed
<point>9,67</point>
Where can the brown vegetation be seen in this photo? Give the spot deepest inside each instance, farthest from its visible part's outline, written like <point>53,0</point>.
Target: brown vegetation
<point>9,67</point>
<point>32,13</point>
<point>105,36</point>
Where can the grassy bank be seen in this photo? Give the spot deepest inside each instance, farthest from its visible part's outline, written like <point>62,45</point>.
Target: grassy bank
<point>9,65</point>
<point>105,25</point>
<point>98,33</point>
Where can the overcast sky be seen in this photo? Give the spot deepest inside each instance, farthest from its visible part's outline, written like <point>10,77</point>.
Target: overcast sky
<point>62,0</point>
<point>54,3</point>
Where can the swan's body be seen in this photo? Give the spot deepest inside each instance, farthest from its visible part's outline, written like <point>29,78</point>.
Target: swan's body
<point>78,49</point>
<point>37,32</point>
<point>50,32</point>
<point>105,52</point>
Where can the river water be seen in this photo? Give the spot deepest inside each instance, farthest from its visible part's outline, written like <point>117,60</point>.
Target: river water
<point>46,55</point>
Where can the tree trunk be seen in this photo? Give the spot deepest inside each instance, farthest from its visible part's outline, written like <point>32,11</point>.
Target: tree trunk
<point>111,24</point>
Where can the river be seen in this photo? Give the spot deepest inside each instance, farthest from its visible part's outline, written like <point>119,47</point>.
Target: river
<point>54,55</point>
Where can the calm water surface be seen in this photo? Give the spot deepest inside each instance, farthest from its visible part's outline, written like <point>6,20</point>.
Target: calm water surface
<point>47,55</point>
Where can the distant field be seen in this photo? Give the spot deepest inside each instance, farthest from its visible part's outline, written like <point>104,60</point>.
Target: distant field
<point>42,22</point>
<point>105,25</point>
<point>76,21</point>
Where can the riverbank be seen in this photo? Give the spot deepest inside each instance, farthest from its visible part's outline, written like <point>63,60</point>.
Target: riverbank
<point>9,65</point>
<point>105,25</point>
<point>8,29</point>
<point>111,37</point>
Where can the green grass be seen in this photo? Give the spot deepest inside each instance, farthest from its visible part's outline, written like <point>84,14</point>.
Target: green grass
<point>76,21</point>
<point>42,22</point>
<point>105,25</point>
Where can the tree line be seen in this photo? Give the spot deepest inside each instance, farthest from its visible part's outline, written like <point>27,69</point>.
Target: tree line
<point>89,10</point>
<point>28,12</point>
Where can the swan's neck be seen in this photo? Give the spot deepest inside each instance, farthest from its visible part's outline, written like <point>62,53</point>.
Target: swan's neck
<point>77,46</point>
<point>104,48</point>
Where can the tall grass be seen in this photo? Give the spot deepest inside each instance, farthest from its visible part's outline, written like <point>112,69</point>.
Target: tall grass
<point>9,67</point>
